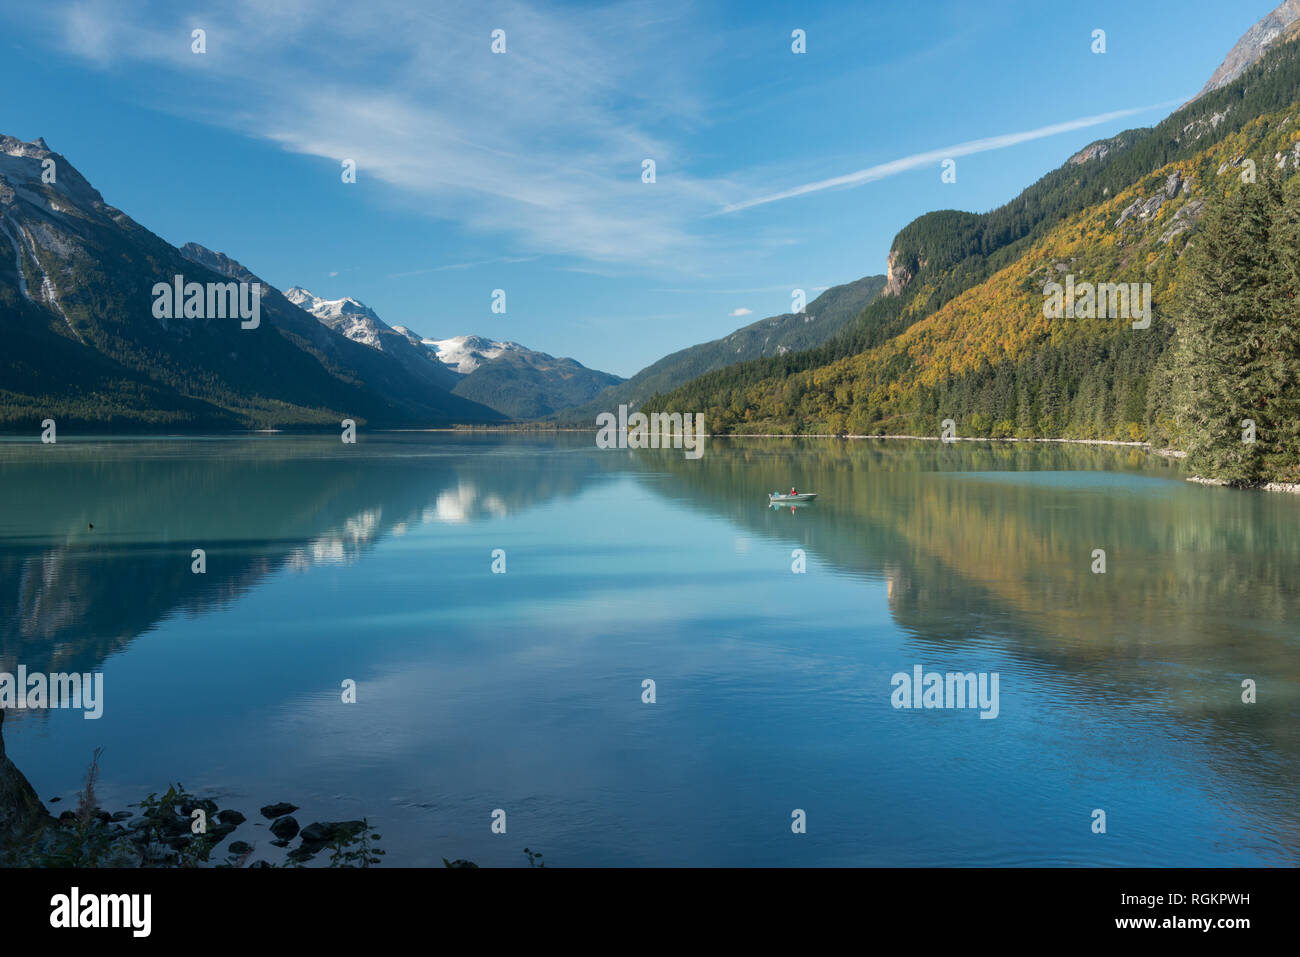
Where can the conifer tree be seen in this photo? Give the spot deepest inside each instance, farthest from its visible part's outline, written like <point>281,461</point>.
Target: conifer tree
<point>1220,363</point>
<point>1280,360</point>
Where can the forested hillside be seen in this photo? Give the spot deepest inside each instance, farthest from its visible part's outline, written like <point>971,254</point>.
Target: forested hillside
<point>823,318</point>
<point>1229,390</point>
<point>961,332</point>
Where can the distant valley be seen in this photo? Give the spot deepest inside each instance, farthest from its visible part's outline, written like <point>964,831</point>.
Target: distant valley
<point>821,320</point>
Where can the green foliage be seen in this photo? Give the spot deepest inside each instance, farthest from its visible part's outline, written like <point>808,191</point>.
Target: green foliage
<point>1237,355</point>
<point>356,851</point>
<point>167,829</point>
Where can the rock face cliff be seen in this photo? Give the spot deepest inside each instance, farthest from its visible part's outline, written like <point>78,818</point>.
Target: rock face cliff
<point>897,276</point>
<point>1281,25</point>
<point>21,811</point>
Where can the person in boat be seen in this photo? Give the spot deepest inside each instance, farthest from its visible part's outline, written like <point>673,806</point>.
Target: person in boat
<point>792,491</point>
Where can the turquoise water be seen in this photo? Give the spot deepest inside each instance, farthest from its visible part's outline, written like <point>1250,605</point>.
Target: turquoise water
<point>523,691</point>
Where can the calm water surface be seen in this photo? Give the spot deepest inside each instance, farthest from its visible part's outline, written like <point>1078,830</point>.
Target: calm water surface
<point>522,691</point>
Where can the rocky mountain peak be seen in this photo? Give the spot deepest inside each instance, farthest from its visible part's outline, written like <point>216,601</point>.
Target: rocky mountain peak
<point>1279,26</point>
<point>325,309</point>
<point>217,262</point>
<point>24,168</point>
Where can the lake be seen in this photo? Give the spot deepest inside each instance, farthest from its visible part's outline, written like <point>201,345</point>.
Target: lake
<point>774,691</point>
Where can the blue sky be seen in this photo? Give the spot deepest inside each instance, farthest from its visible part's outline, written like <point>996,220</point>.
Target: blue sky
<point>523,171</point>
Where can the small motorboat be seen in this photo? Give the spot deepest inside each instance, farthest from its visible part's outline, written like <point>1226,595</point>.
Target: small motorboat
<point>778,498</point>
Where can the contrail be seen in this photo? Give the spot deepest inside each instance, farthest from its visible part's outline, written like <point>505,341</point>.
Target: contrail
<point>873,173</point>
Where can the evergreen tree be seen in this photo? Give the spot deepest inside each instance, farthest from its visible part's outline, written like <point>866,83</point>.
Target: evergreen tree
<point>1280,359</point>
<point>1220,367</point>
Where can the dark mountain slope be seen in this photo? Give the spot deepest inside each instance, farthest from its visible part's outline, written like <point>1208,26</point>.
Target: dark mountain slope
<point>78,270</point>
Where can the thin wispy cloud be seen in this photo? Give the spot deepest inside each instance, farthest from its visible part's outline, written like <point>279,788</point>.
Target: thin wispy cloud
<point>539,148</point>
<point>742,311</point>
<point>449,267</point>
<point>543,143</point>
<point>931,157</point>
<point>750,291</point>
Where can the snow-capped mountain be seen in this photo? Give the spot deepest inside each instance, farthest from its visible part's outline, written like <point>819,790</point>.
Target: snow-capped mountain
<point>358,322</point>
<point>506,376</point>
<point>86,344</point>
<point>467,353</point>
<point>353,319</point>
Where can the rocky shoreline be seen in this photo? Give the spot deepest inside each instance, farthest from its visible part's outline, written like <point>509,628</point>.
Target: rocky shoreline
<point>1290,487</point>
<point>175,829</point>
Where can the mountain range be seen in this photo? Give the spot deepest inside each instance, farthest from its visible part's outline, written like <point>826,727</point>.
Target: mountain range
<point>87,345</point>
<point>518,382</point>
<point>961,331</point>
<point>822,319</point>
<point>954,329</point>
